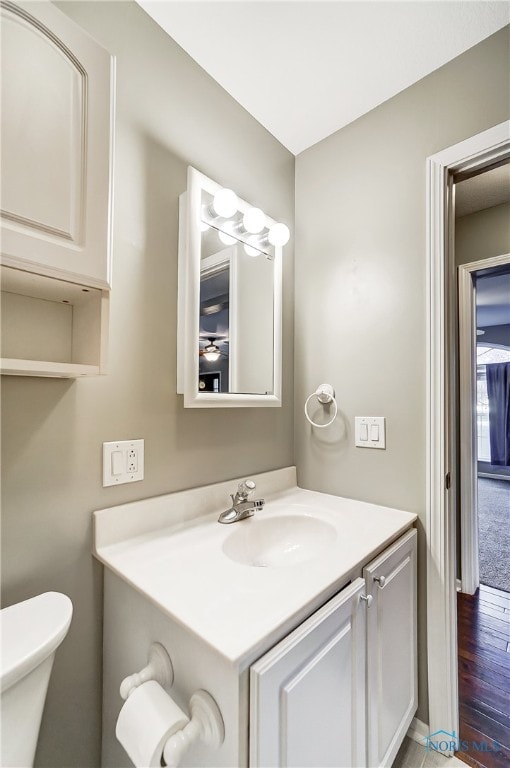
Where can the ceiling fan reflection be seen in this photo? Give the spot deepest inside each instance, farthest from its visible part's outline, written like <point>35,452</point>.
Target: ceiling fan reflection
<point>211,351</point>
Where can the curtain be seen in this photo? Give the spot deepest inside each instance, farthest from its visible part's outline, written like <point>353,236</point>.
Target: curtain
<point>498,391</point>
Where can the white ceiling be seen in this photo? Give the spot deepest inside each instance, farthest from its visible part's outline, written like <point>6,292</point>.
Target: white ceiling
<point>305,68</point>
<point>483,191</point>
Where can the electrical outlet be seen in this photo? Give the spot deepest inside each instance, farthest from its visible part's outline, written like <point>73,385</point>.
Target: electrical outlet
<point>123,462</point>
<point>132,460</point>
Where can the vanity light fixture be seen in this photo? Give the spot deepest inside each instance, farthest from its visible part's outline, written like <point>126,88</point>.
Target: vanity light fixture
<point>226,238</point>
<point>224,203</point>
<point>250,250</point>
<point>278,235</point>
<point>254,221</point>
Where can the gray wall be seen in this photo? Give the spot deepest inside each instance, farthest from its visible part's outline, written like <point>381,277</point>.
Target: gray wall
<point>360,320</point>
<point>483,235</point>
<point>169,114</point>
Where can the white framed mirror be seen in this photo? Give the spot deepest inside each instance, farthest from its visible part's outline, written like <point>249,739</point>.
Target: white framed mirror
<point>229,337</point>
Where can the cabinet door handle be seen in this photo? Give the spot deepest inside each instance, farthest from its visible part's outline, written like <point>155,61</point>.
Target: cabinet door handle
<point>381,581</point>
<point>368,599</point>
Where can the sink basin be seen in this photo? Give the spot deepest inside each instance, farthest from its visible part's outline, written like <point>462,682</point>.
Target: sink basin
<point>278,541</point>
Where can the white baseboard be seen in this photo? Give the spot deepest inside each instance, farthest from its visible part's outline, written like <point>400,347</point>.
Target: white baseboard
<point>459,585</point>
<point>494,476</point>
<point>418,731</point>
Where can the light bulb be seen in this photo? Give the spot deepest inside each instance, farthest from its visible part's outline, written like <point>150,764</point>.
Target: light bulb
<point>278,235</point>
<point>204,226</point>
<point>251,251</point>
<point>225,203</point>
<point>254,221</point>
<point>225,238</point>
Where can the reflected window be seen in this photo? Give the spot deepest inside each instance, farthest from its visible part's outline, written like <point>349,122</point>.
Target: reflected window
<point>485,355</point>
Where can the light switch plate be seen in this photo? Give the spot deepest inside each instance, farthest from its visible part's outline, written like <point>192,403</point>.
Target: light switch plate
<point>364,428</point>
<point>123,462</point>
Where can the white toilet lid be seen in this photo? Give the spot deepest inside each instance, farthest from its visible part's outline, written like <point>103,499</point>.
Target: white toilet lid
<point>30,632</point>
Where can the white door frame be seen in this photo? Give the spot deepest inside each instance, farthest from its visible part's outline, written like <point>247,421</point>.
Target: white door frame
<point>467,409</point>
<point>474,153</point>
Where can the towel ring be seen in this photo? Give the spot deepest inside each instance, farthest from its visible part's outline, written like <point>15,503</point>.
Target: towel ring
<point>325,394</point>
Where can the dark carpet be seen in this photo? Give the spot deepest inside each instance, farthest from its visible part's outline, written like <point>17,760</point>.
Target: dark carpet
<point>494,532</point>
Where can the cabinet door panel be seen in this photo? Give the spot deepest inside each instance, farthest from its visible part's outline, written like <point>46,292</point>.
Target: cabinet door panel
<point>56,145</point>
<point>391,649</point>
<point>43,100</point>
<point>307,697</point>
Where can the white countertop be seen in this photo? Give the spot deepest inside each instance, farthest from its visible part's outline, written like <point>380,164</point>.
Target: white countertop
<point>235,607</point>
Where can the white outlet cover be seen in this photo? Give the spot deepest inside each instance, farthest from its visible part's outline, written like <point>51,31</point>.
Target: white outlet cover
<point>116,462</point>
<point>363,430</point>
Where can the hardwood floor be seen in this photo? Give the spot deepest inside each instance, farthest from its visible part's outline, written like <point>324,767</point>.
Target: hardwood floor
<point>483,622</point>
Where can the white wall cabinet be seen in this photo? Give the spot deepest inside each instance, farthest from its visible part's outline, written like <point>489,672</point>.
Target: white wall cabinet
<point>57,130</point>
<point>341,690</point>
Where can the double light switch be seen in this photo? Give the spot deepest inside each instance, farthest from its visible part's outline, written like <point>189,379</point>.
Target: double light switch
<point>370,431</point>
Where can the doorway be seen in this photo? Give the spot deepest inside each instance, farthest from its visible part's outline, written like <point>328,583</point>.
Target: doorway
<point>483,521</point>
<point>492,462</point>
<point>483,604</point>
<point>469,157</point>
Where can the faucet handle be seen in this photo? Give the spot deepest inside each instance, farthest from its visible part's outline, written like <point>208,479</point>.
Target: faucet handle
<point>245,488</point>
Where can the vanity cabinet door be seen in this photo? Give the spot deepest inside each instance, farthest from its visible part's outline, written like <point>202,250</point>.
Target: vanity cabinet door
<point>307,694</point>
<point>391,649</point>
<point>57,97</point>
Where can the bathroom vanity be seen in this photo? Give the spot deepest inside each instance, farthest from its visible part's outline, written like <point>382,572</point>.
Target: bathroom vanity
<point>299,621</point>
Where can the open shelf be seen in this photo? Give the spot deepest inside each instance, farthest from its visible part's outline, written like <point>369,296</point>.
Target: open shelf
<point>18,367</point>
<point>51,327</point>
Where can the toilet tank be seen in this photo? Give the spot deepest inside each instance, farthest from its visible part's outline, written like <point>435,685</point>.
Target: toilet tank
<point>30,632</point>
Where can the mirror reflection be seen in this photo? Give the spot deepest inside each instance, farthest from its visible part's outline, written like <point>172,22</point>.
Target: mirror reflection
<point>229,342</point>
<point>236,328</point>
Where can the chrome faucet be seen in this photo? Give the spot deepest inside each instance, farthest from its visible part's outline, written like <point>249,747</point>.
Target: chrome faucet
<point>242,507</point>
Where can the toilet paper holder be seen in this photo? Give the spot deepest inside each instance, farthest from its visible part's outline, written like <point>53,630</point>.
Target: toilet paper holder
<point>206,722</point>
<point>159,668</point>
